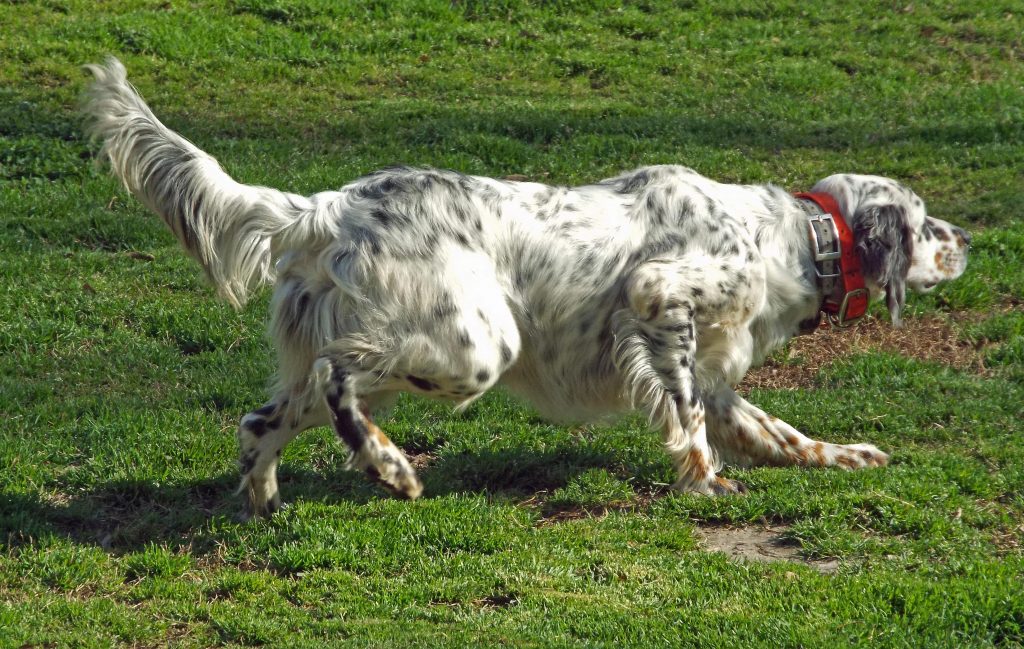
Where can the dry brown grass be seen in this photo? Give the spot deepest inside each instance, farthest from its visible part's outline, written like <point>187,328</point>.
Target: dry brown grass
<point>931,338</point>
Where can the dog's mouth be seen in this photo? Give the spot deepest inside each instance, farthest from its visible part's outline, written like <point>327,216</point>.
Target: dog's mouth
<point>925,287</point>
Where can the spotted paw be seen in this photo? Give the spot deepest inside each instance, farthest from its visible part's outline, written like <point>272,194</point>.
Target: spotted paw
<point>726,487</point>
<point>860,456</point>
<point>401,484</point>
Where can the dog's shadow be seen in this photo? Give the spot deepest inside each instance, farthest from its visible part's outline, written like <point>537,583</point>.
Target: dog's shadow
<point>516,473</point>
<point>125,516</point>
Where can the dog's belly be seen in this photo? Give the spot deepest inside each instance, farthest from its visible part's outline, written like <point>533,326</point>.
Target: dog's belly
<point>566,378</point>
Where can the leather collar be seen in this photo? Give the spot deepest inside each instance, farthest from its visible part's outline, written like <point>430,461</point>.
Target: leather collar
<point>836,264</point>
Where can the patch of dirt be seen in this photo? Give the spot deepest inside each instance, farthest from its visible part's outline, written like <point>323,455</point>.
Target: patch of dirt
<point>553,515</point>
<point>929,338</point>
<point>420,461</point>
<point>498,600</point>
<point>765,544</point>
<point>1008,541</point>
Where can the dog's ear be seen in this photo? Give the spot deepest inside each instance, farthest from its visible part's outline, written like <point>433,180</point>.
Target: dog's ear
<point>885,243</point>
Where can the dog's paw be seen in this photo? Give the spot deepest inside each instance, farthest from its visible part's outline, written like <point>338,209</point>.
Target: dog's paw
<point>859,456</point>
<point>716,486</point>
<point>262,509</point>
<point>399,483</point>
<point>725,487</point>
<point>261,498</point>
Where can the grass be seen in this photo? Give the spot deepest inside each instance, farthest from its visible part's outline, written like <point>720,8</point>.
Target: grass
<point>122,378</point>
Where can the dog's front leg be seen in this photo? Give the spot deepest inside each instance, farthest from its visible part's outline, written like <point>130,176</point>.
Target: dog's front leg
<point>371,449</point>
<point>744,435</point>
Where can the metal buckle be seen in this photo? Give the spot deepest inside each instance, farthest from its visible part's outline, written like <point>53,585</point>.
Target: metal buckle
<point>839,319</point>
<point>818,254</point>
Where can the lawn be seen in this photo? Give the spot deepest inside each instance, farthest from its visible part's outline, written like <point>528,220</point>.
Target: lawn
<point>122,377</point>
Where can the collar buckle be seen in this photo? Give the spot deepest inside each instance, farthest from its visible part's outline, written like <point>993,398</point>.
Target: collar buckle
<point>824,220</point>
<point>840,319</point>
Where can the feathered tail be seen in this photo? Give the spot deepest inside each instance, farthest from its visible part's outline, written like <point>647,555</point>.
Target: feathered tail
<point>227,226</point>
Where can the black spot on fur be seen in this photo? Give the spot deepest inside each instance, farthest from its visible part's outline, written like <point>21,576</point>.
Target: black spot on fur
<point>422,384</point>
<point>386,183</point>
<point>265,410</point>
<point>685,208</point>
<point>336,390</point>
<point>339,375</point>
<point>247,462</point>
<point>387,217</point>
<point>257,427</point>
<point>927,232</point>
<point>444,309</point>
<point>483,376</point>
<point>506,353</point>
<point>524,276</point>
<point>367,239</point>
<point>636,182</point>
<point>349,428</point>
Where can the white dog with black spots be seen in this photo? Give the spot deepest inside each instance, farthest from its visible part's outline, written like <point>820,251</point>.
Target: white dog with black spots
<point>655,291</point>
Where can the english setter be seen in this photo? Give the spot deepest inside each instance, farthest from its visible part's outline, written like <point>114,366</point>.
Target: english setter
<point>654,291</point>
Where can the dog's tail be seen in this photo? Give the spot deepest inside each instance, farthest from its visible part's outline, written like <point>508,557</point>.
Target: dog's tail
<point>228,227</point>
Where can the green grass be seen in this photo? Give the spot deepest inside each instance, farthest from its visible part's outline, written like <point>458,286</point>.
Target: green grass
<point>122,378</point>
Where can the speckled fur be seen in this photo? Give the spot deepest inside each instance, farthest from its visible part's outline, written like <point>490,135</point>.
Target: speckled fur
<point>654,290</point>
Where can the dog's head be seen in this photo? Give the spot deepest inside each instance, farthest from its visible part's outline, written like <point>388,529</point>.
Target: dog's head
<point>899,244</point>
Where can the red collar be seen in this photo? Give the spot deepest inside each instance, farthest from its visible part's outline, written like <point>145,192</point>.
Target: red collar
<point>847,304</point>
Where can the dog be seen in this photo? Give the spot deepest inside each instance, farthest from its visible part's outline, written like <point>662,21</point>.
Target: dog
<point>653,291</point>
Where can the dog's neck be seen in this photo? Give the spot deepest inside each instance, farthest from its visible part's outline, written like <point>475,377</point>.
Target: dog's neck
<point>844,299</point>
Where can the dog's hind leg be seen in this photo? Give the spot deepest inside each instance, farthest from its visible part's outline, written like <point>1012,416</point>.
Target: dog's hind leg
<point>371,450</point>
<point>746,436</point>
<point>657,352</point>
<point>262,436</point>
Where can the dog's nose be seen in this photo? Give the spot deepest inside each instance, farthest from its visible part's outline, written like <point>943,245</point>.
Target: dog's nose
<point>962,235</point>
